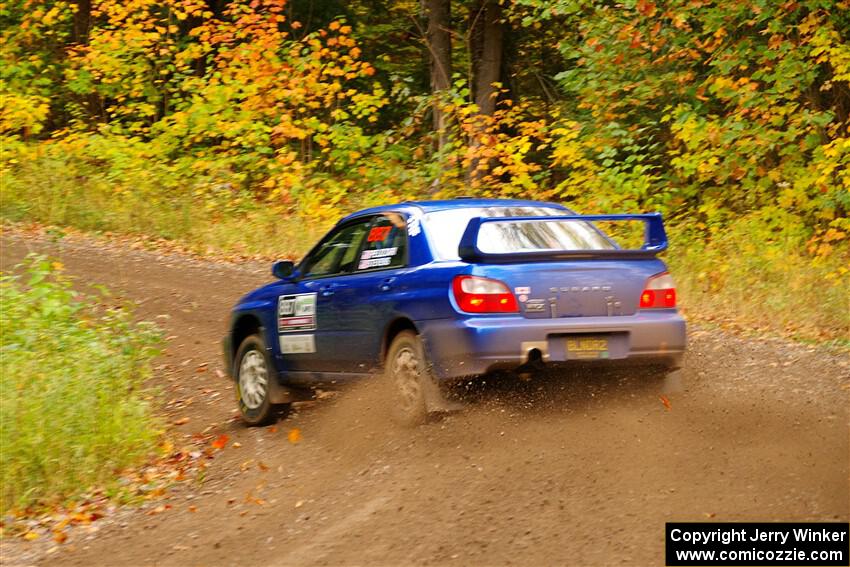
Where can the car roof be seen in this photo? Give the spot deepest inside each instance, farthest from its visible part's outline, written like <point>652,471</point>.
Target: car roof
<point>441,205</point>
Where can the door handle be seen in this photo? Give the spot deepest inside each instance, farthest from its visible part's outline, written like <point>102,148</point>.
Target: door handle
<point>387,284</point>
<point>327,290</point>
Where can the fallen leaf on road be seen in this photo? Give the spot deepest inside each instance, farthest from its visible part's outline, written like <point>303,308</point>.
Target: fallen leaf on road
<point>60,537</point>
<point>221,441</point>
<point>236,445</point>
<point>250,498</point>
<point>84,517</point>
<point>665,401</point>
<point>297,504</point>
<point>193,509</point>
<point>30,536</point>
<point>294,435</point>
<point>156,492</point>
<point>181,421</point>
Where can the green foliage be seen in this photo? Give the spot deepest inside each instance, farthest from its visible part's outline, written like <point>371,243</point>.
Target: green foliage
<point>73,411</point>
<point>195,101</point>
<point>758,274</point>
<point>32,35</point>
<point>718,110</point>
<point>110,192</point>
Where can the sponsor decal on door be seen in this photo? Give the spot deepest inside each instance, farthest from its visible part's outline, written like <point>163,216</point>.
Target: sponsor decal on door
<point>297,344</point>
<point>296,313</point>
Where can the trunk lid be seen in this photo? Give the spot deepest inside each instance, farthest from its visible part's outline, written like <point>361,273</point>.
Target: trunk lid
<point>576,288</point>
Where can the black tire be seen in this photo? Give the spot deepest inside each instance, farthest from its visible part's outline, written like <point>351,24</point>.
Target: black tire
<point>406,372</point>
<point>252,393</point>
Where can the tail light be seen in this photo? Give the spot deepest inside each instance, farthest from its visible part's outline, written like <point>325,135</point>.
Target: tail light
<point>659,292</point>
<point>475,294</point>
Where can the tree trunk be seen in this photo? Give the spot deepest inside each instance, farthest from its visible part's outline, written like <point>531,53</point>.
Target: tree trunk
<point>82,22</point>
<point>487,45</point>
<point>439,41</point>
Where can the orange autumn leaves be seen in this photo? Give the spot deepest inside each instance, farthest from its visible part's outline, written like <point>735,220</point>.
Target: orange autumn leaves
<point>294,435</point>
<point>220,442</point>
<point>239,96</point>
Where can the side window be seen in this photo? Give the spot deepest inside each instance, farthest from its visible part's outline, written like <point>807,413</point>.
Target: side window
<point>338,253</point>
<point>386,243</point>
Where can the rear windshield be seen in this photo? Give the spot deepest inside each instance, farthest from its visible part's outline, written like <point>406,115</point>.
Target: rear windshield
<point>445,229</point>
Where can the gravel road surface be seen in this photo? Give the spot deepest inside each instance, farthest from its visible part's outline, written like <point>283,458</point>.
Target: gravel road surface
<point>574,468</point>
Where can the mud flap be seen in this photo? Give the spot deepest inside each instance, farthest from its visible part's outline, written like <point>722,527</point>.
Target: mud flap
<point>280,394</point>
<point>435,401</point>
<point>672,383</point>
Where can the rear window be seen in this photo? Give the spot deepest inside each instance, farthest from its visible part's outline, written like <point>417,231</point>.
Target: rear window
<point>445,228</point>
<point>509,236</point>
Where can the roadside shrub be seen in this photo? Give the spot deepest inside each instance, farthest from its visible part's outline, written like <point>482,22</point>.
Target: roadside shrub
<point>73,408</point>
<point>759,274</point>
<point>111,184</point>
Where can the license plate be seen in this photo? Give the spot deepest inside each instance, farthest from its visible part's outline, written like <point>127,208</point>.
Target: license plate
<point>587,347</point>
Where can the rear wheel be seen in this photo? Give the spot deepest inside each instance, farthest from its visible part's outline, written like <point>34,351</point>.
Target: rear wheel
<point>408,372</point>
<point>254,372</point>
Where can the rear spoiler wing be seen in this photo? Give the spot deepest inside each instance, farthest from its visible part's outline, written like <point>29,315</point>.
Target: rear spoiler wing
<point>655,240</point>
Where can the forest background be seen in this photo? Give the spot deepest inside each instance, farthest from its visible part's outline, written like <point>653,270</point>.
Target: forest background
<point>249,126</point>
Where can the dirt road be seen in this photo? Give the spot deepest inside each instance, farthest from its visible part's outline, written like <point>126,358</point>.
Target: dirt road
<point>575,469</point>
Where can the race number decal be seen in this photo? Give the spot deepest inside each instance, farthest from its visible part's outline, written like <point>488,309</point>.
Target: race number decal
<point>296,313</point>
<point>379,233</point>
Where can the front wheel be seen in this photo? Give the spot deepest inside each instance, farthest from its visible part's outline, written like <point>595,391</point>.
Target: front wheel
<point>254,372</point>
<point>407,372</point>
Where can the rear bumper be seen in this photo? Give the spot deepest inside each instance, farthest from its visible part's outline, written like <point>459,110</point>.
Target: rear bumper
<point>477,345</point>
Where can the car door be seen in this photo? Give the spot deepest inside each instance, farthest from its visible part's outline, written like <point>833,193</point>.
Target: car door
<point>368,301</point>
<point>309,324</point>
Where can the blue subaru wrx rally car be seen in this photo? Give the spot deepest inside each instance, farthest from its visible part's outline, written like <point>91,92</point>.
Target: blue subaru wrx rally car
<point>432,292</point>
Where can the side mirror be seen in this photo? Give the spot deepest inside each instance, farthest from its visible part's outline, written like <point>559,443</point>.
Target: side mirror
<point>283,269</point>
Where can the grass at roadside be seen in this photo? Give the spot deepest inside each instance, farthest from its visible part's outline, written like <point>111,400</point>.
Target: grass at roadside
<point>747,282</point>
<point>73,409</point>
<point>66,193</point>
